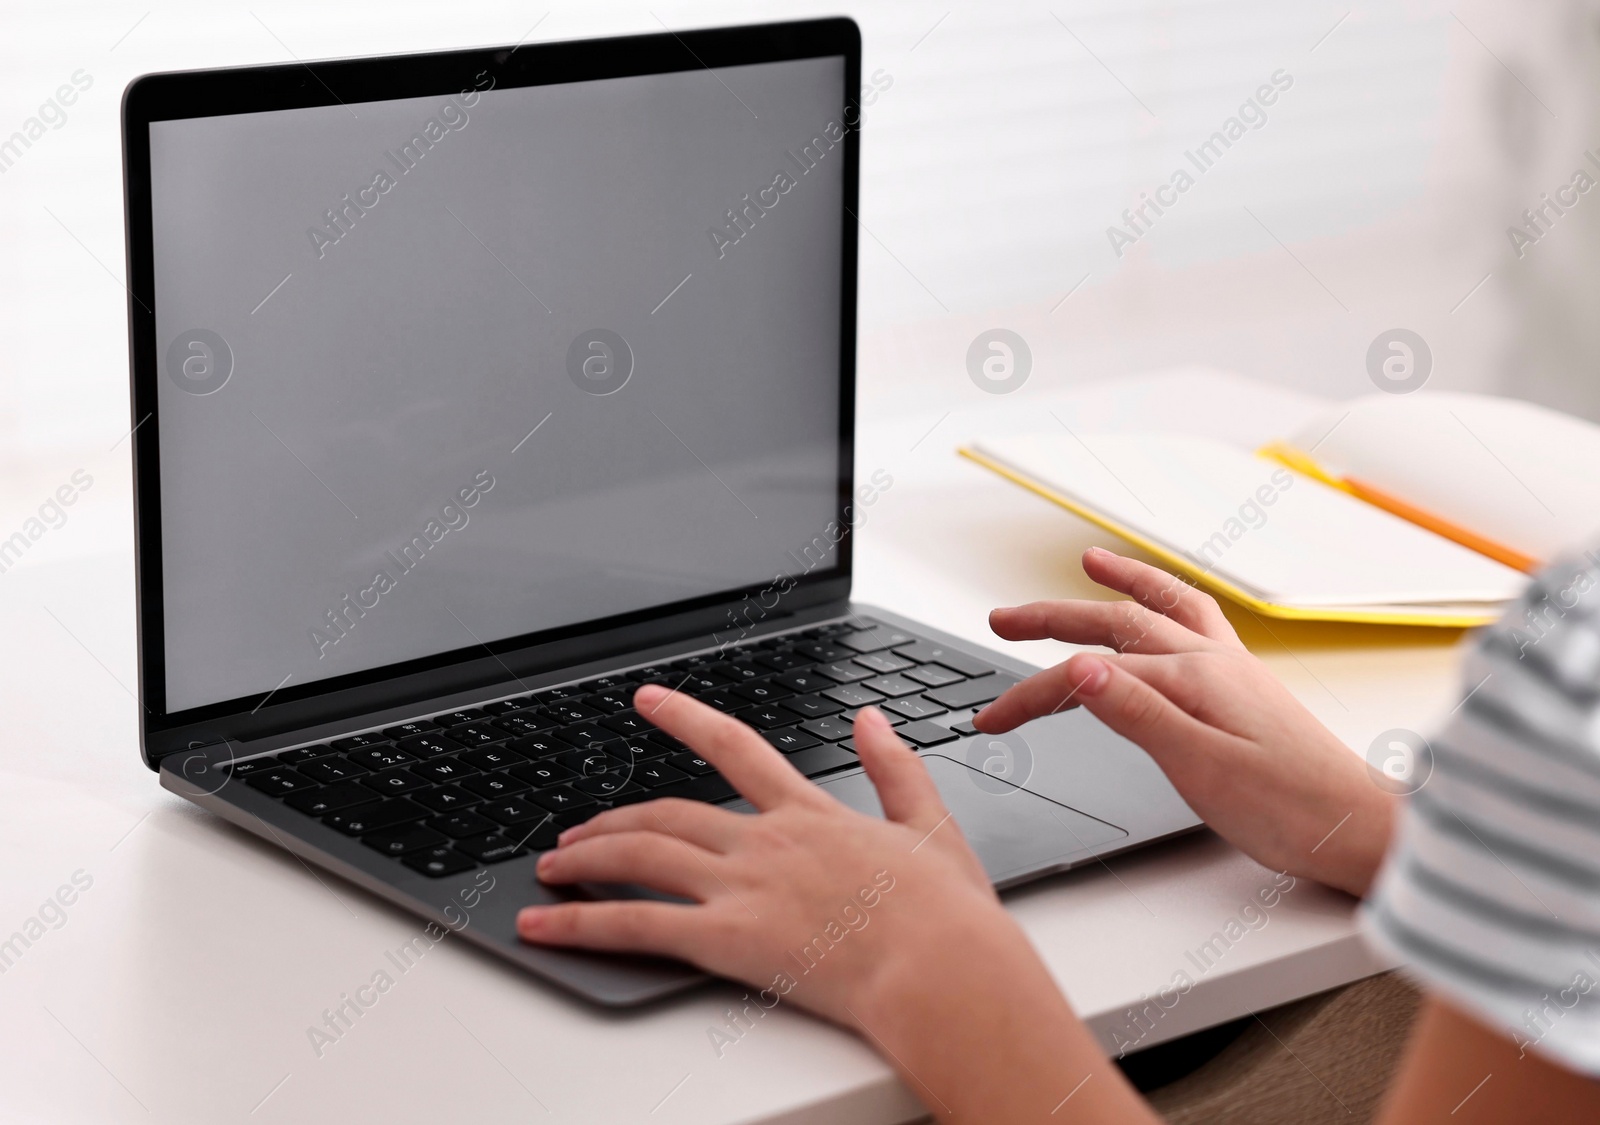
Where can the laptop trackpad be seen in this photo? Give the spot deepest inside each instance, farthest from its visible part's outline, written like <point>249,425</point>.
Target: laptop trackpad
<point>1014,832</point>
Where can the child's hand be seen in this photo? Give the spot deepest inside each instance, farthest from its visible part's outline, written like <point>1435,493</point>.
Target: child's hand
<point>809,900</point>
<point>1249,759</point>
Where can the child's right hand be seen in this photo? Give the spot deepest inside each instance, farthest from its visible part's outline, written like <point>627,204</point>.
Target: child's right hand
<point>1243,752</point>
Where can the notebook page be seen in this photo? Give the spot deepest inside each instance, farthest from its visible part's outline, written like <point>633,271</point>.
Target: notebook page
<point>1281,536</point>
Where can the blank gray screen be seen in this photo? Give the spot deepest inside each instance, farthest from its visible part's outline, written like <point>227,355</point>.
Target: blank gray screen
<point>389,427</point>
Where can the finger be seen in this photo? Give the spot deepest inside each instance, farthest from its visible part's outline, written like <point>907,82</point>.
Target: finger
<point>1043,693</point>
<point>1122,625</point>
<point>705,826</point>
<point>649,859</point>
<point>1161,593</point>
<point>905,790</point>
<point>625,925</point>
<point>749,762</point>
<point>1141,714</point>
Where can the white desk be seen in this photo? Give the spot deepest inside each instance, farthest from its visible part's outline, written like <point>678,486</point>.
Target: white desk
<point>181,984</point>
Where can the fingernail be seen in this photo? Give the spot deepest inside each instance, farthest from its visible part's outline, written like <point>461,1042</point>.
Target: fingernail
<point>873,717</point>
<point>529,919</point>
<point>546,862</point>
<point>650,692</point>
<point>567,836</point>
<point>1092,674</point>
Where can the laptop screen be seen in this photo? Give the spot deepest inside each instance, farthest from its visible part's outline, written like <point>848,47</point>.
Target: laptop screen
<point>443,371</point>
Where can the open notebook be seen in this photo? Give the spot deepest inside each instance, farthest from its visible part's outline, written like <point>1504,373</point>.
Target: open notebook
<point>1295,537</point>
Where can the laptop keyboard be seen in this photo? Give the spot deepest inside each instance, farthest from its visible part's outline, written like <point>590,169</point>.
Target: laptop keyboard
<point>480,785</point>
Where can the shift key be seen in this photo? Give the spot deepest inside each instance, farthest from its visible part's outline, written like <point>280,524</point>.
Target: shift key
<point>970,693</point>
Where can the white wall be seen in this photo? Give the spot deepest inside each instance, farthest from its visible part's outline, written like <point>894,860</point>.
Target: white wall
<point>1375,196</point>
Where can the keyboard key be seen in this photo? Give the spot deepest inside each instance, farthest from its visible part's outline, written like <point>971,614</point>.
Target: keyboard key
<point>742,670</point>
<point>371,817</point>
<point>491,849</point>
<point>871,640</point>
<point>254,765</point>
<point>279,782</point>
<point>516,810</point>
<point>933,675</point>
<point>914,707</point>
<point>459,826</point>
<point>697,680</point>
<point>924,652</point>
<point>653,775</point>
<point>392,782</point>
<point>808,681</point>
<point>822,759</point>
<point>829,730</point>
<point>491,786</point>
<point>456,718</point>
<point>504,706</point>
<point>609,702</point>
<point>586,762</point>
<point>333,769</point>
<point>964,727</point>
<point>636,750</point>
<point>762,691</point>
<point>492,758</point>
<point>447,798</point>
<point>853,695</point>
<point>438,862</point>
<point>892,686</point>
<point>823,653</point>
<point>790,740</point>
<point>724,700</point>
<point>487,733</point>
<point>587,736</point>
<point>380,757</point>
<point>358,741</point>
<point>570,712</point>
<point>540,746</point>
<point>559,798</point>
<point>542,834</point>
<point>602,785</point>
<point>765,717</point>
<point>972,692</point>
<point>521,724</point>
<point>781,661</point>
<point>305,754</point>
<point>664,740</point>
<point>691,763</point>
<point>883,662</point>
<point>429,745</point>
<point>442,770</point>
<point>330,798</point>
<point>409,838</point>
<point>557,694</point>
<point>924,733</point>
<point>630,722</point>
<point>541,774</point>
<point>844,672</point>
<point>616,683</point>
<point>812,706</point>
<point>407,730</point>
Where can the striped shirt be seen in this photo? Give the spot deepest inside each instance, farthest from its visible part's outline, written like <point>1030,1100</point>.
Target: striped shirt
<point>1491,892</point>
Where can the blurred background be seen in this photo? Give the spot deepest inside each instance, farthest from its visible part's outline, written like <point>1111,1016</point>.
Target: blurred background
<point>1003,141</point>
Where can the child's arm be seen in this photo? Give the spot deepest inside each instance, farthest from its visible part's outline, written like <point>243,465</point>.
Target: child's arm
<point>1250,760</point>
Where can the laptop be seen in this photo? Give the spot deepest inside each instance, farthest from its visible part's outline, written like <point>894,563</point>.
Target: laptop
<point>472,390</point>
